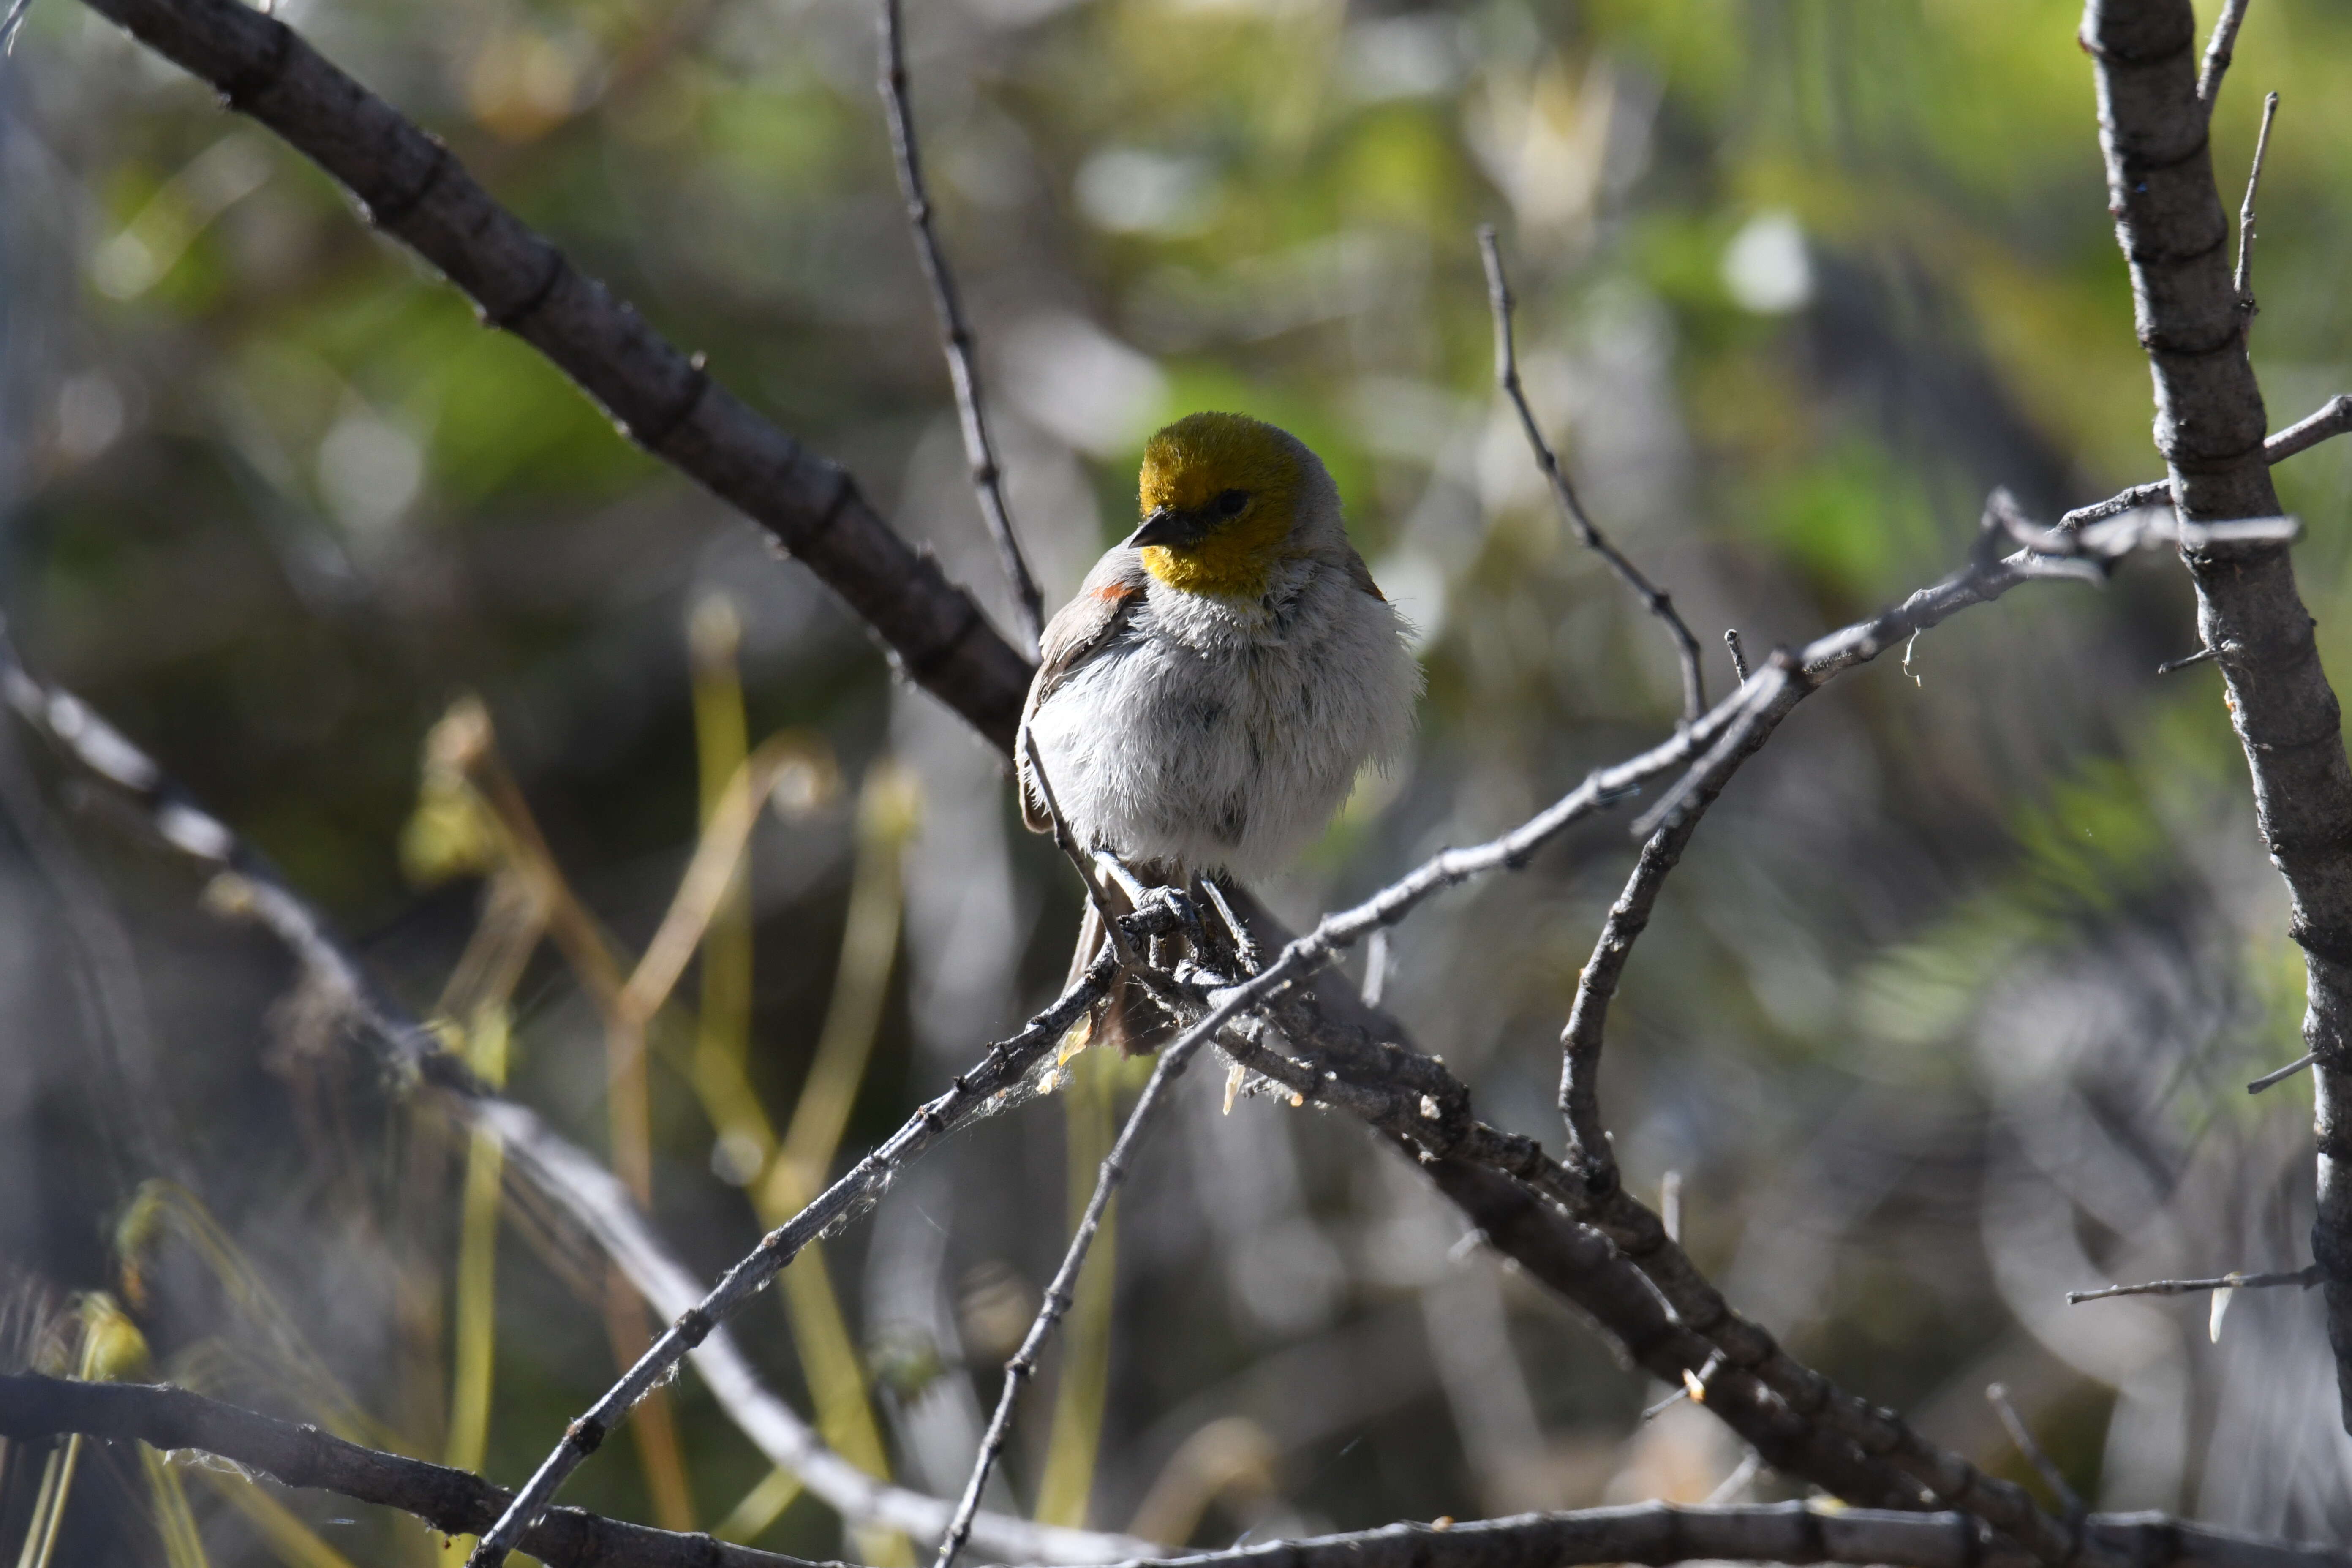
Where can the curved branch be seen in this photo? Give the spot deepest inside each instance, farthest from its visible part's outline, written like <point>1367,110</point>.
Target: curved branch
<point>1506,376</point>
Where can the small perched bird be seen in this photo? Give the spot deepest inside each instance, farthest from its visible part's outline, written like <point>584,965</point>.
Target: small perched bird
<point>1207,700</point>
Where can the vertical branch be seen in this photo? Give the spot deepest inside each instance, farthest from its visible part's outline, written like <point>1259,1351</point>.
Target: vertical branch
<point>2221,51</point>
<point>955,333</point>
<point>2245,279</point>
<point>2171,227</point>
<point>1506,376</point>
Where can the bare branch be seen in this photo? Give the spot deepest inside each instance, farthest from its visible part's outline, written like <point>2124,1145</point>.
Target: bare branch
<point>455,1502</point>
<point>1738,654</point>
<point>2333,418</point>
<point>413,188</point>
<point>2244,276</point>
<point>1061,1292</point>
<point>2154,113</point>
<point>1586,1270</point>
<point>2280,1075</point>
<point>1506,376</point>
<point>2220,51</point>
<point>955,333</point>
<point>2303,1278</point>
<point>999,1070</point>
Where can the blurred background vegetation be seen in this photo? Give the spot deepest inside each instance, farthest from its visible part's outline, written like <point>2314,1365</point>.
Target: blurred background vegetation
<point>1950,1010</point>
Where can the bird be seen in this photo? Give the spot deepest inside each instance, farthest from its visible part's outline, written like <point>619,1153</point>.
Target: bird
<point>1207,700</point>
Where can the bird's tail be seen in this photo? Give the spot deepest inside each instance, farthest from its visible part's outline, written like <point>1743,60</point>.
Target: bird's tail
<point>1127,1017</point>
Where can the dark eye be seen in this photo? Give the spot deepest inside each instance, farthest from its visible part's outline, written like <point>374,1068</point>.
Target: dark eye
<point>1230,504</point>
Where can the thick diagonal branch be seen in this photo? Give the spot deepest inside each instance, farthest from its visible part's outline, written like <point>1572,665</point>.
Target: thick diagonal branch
<point>411,187</point>
<point>2175,233</point>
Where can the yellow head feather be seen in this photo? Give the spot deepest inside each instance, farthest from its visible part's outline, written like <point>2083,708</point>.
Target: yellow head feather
<point>1188,466</point>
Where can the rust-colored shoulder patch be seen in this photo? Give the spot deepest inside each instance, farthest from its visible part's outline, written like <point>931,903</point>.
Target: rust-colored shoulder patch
<point>1116,592</point>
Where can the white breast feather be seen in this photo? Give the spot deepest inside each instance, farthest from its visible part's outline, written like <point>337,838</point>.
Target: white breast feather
<point>1217,733</point>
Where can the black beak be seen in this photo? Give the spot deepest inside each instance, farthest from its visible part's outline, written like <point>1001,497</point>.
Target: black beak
<point>1166,525</point>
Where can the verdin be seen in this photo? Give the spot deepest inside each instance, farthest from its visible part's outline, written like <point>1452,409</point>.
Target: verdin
<point>1206,701</point>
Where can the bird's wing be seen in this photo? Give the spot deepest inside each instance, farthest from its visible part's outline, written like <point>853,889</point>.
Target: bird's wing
<point>1078,631</point>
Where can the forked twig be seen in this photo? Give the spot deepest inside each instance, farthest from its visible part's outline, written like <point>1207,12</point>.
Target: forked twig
<point>955,333</point>
<point>1506,376</point>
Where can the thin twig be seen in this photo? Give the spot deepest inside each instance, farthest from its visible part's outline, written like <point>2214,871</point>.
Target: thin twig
<point>2244,276</point>
<point>2219,52</point>
<point>1997,1395</point>
<point>2172,666</point>
<point>955,333</point>
<point>2280,1075</point>
<point>1060,1293</point>
<point>2314,1275</point>
<point>1506,376</point>
<point>1004,1067</point>
<point>1738,654</point>
<point>1089,875</point>
<point>2330,419</point>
